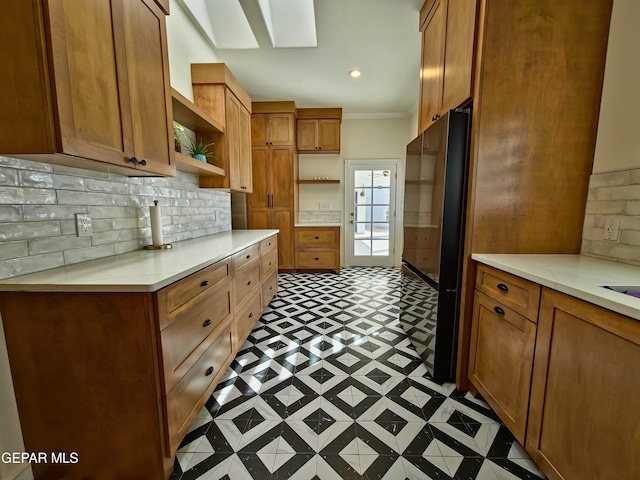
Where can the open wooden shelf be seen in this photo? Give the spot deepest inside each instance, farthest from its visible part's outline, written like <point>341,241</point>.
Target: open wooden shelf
<point>317,181</point>
<point>191,116</point>
<point>184,163</point>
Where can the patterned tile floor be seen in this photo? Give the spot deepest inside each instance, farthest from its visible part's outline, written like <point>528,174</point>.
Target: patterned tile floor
<point>329,386</point>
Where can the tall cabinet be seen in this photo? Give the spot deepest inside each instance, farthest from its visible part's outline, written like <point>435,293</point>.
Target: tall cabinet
<point>273,201</point>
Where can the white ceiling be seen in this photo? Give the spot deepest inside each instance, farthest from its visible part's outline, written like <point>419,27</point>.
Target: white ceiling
<point>379,37</point>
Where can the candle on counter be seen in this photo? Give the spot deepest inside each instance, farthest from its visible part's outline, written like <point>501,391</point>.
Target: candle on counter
<point>156,224</point>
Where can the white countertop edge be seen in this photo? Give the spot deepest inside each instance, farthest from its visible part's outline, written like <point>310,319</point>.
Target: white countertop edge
<point>318,224</point>
<point>190,256</point>
<point>577,275</point>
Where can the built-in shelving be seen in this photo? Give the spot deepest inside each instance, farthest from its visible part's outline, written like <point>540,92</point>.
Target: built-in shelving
<point>184,163</point>
<point>302,182</point>
<point>191,116</point>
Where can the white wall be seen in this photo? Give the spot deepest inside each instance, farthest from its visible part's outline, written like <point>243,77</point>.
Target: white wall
<point>618,141</point>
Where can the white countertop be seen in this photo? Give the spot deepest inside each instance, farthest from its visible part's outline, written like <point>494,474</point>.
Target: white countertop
<point>141,270</point>
<point>318,224</point>
<point>576,275</point>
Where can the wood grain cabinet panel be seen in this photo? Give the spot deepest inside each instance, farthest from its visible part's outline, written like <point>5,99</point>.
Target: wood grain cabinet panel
<point>273,129</point>
<point>318,248</point>
<point>584,419</point>
<point>501,359</point>
<point>318,135</point>
<point>97,89</point>
<point>127,373</point>
<point>272,203</point>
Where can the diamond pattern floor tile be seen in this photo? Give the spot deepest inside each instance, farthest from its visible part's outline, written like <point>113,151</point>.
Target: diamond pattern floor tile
<point>329,386</point>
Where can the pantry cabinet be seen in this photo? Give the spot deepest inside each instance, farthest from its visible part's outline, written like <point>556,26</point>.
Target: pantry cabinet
<point>272,203</point>
<point>273,129</point>
<point>447,61</point>
<point>87,85</point>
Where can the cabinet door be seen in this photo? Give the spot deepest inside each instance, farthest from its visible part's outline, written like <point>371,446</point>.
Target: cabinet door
<point>431,73</point>
<point>149,90</point>
<point>458,57</point>
<point>281,129</point>
<point>259,199</point>
<point>244,142</point>
<point>283,220</point>
<point>90,74</point>
<point>501,359</point>
<point>584,419</point>
<point>232,133</point>
<point>282,175</point>
<point>329,135</point>
<point>307,135</point>
<point>259,129</point>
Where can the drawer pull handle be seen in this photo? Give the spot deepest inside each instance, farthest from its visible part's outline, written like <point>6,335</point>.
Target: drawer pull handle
<point>317,238</point>
<point>206,323</point>
<point>317,258</point>
<point>498,310</point>
<point>249,283</point>
<point>209,371</point>
<point>251,315</point>
<point>205,283</point>
<point>503,287</point>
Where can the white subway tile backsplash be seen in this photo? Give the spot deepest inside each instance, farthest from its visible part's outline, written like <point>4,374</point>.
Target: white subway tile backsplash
<point>38,203</point>
<point>617,195</point>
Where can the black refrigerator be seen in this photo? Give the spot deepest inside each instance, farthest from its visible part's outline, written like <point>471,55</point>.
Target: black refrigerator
<point>434,211</point>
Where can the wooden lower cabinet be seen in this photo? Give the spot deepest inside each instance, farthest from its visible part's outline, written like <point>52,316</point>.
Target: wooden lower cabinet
<point>318,248</point>
<point>119,377</point>
<point>584,417</point>
<point>501,361</point>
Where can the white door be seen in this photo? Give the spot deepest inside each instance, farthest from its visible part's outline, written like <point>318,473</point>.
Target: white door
<point>371,211</point>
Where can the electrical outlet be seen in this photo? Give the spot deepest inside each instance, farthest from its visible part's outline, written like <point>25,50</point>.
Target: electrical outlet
<point>611,229</point>
<point>83,225</point>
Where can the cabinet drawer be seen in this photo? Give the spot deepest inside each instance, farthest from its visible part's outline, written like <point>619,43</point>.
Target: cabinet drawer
<point>516,293</point>
<point>247,281</point>
<point>306,237</point>
<point>185,401</point>
<point>246,256</point>
<point>317,259</point>
<point>268,244</point>
<point>177,294</point>
<point>184,341</point>
<point>246,318</point>
<point>501,360</point>
<point>269,289</point>
<point>269,263</point>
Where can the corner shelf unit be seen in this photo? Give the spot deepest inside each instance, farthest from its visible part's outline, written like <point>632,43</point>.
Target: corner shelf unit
<point>195,119</point>
<point>304,182</point>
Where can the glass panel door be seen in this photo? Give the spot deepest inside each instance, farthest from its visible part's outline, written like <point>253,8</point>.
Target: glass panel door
<point>372,214</point>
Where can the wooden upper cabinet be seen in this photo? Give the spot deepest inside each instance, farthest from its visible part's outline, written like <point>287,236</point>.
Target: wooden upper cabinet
<point>217,92</point>
<point>446,75</point>
<point>89,81</point>
<point>273,129</point>
<point>318,130</point>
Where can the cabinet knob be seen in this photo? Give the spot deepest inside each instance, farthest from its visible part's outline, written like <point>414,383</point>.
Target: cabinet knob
<point>133,160</point>
<point>206,323</point>
<point>503,287</point>
<point>251,315</point>
<point>209,371</point>
<point>270,263</point>
<point>317,258</point>
<point>316,238</point>
<point>498,310</point>
<point>143,162</point>
<point>249,283</point>
<point>204,283</point>
<point>248,257</point>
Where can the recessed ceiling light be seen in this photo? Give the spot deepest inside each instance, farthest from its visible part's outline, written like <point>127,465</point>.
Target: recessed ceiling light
<point>355,73</point>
